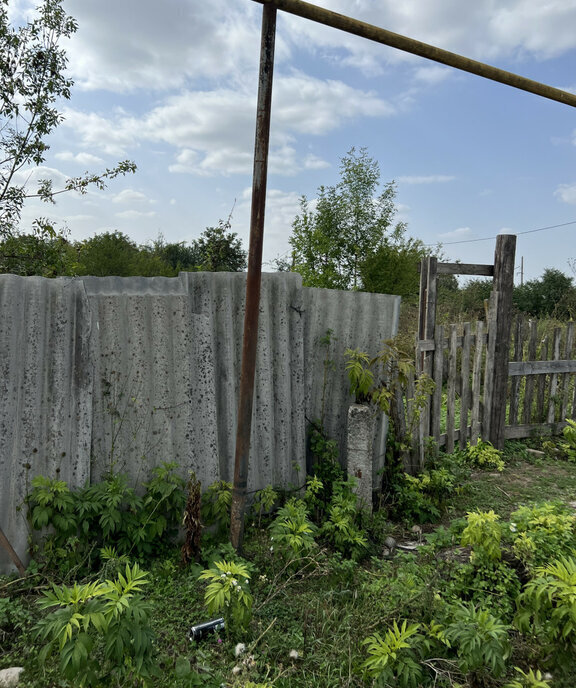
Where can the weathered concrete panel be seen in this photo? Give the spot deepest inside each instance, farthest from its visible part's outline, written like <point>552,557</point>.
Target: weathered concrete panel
<point>357,320</point>
<point>126,373</point>
<point>45,392</point>
<point>278,436</point>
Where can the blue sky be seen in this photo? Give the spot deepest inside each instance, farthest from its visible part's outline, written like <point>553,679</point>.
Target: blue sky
<point>172,86</point>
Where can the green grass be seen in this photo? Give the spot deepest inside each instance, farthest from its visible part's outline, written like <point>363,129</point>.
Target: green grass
<point>321,610</point>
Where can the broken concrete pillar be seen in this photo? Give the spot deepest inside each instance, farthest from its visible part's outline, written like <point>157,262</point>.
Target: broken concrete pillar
<point>360,439</point>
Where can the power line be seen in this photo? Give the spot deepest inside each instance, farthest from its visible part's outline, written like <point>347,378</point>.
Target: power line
<point>490,238</point>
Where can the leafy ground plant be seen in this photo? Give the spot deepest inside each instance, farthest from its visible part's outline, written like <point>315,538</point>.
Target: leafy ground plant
<point>228,593</point>
<point>309,610</point>
<point>107,513</point>
<point>100,630</point>
<point>547,609</point>
<point>394,658</point>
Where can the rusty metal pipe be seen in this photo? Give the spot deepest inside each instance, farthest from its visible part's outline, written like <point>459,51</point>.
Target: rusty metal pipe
<point>12,553</point>
<point>253,278</point>
<point>409,45</point>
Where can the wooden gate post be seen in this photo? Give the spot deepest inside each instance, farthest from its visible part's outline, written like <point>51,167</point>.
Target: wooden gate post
<point>425,360</point>
<point>495,414</point>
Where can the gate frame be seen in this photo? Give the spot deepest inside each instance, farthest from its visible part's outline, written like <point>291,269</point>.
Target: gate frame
<point>499,328</point>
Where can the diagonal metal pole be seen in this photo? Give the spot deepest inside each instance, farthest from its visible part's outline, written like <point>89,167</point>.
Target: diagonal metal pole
<point>409,45</point>
<point>253,278</point>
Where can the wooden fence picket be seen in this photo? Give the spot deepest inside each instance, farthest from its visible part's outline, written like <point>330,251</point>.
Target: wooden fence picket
<point>541,387</point>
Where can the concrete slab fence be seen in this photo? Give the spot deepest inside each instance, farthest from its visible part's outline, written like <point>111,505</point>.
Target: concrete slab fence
<point>126,373</point>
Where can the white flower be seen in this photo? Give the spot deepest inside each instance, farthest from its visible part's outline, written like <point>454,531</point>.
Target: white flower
<point>234,582</point>
<point>513,527</point>
<point>222,575</point>
<point>239,649</point>
<point>293,654</point>
<point>271,549</point>
<point>236,670</point>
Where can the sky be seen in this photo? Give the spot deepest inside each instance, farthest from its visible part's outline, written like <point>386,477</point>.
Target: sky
<point>172,86</point>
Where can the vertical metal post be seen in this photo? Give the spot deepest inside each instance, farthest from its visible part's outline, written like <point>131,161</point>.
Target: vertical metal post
<point>253,278</point>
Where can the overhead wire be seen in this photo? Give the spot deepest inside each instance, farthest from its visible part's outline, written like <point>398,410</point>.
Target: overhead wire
<point>490,238</point>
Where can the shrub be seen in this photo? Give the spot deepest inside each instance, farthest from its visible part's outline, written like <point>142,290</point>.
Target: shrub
<point>108,513</point>
<point>340,527</point>
<point>528,680</point>
<point>569,446</point>
<point>543,532</point>
<point>547,610</point>
<point>394,658</point>
<point>216,504</point>
<point>484,455</point>
<point>483,533</point>
<point>291,530</point>
<point>100,630</point>
<point>493,586</point>
<point>228,593</point>
<point>480,640</point>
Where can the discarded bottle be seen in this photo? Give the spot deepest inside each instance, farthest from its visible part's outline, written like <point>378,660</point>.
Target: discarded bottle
<point>202,630</point>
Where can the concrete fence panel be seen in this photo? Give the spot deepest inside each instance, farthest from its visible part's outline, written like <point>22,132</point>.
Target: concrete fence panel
<point>100,374</point>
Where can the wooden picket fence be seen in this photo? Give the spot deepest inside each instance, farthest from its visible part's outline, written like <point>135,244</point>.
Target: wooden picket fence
<point>541,387</point>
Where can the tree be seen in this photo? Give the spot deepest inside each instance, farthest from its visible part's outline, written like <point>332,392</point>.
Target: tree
<point>179,256</point>
<point>552,294</point>
<point>113,253</point>
<point>333,239</point>
<point>34,254</point>
<point>393,267</point>
<point>473,295</point>
<point>32,81</point>
<point>219,250</point>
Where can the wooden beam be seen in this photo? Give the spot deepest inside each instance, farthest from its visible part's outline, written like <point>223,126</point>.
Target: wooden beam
<point>541,367</point>
<point>465,269</point>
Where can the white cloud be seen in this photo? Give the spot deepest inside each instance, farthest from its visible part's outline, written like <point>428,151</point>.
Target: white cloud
<point>213,131</point>
<point>134,214</point>
<point>308,105</point>
<point>428,179</point>
<point>281,209</point>
<point>433,74</point>
<point>129,196</point>
<point>461,233</point>
<point>32,176</point>
<point>113,135</point>
<point>484,30</point>
<point>86,159</point>
<point>566,193</point>
<point>313,162</point>
<point>122,46</point>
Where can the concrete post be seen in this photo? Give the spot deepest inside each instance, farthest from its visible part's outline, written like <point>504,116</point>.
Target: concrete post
<point>360,438</point>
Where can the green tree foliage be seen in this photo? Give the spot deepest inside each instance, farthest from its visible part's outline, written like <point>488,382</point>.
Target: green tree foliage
<point>333,238</point>
<point>219,250</point>
<point>32,81</point>
<point>34,254</point>
<point>472,297</point>
<point>179,256</point>
<point>113,253</point>
<point>393,267</point>
<point>553,294</point>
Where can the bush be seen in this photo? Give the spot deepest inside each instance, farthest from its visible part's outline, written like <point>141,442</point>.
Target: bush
<point>108,513</point>
<point>100,630</point>
<point>543,532</point>
<point>547,610</point>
